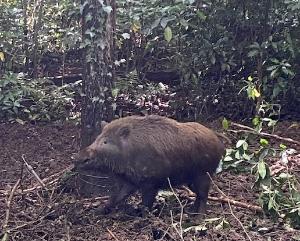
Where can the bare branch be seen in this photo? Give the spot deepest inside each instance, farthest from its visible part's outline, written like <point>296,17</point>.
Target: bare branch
<point>231,211</point>
<point>253,131</point>
<point>8,207</point>
<point>30,169</point>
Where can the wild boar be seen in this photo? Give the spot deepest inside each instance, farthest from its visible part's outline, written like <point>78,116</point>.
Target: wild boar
<point>143,152</point>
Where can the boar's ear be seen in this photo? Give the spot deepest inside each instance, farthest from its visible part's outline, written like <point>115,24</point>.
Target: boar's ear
<point>124,131</point>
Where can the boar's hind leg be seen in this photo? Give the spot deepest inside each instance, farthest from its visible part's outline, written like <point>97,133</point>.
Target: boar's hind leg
<point>201,184</point>
<point>148,196</point>
<point>123,190</point>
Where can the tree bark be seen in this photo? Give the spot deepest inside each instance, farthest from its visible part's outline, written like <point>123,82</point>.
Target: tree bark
<point>25,34</point>
<point>98,23</point>
<point>36,28</point>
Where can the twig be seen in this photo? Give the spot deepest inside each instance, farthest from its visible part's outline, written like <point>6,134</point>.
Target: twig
<point>231,211</point>
<point>236,203</point>
<point>226,200</point>
<point>36,187</point>
<point>30,169</point>
<point>253,131</point>
<point>181,212</point>
<point>111,233</point>
<point>31,222</point>
<point>8,206</point>
<point>67,231</point>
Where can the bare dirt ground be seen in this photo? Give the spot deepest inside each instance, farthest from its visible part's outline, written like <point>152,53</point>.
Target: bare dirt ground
<point>36,214</point>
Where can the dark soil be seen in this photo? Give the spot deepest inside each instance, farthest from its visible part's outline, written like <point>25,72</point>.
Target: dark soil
<point>36,214</point>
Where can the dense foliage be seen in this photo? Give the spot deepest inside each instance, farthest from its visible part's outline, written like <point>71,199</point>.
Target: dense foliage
<point>218,45</point>
<point>35,100</point>
<point>234,58</point>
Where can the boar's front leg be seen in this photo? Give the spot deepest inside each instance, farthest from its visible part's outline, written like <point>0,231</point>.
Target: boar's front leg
<point>201,184</point>
<point>148,195</point>
<point>122,191</point>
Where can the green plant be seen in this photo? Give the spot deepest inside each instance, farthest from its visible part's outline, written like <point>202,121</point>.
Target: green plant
<point>279,193</point>
<point>238,158</point>
<point>34,100</point>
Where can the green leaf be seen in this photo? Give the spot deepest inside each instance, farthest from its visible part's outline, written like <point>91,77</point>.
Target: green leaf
<point>246,157</point>
<point>240,143</point>
<point>270,68</point>
<point>263,142</point>
<point>165,21</point>
<point>256,93</point>
<point>222,225</point>
<point>225,124</point>
<point>184,23</point>
<point>276,61</point>
<point>201,15</point>
<point>276,91</point>
<point>168,34</point>
<point>282,146</point>
<point>213,59</point>
<point>253,53</point>
<point>255,121</point>
<point>237,155</point>
<point>255,45</point>
<point>5,237</point>
<point>287,71</point>
<point>262,169</point>
<point>274,73</point>
<point>2,58</point>
<point>107,9</point>
<point>264,153</point>
<point>250,92</point>
<point>270,204</point>
<point>155,23</point>
<point>296,237</point>
<point>228,158</point>
<point>245,146</point>
<point>115,92</point>
<point>20,121</point>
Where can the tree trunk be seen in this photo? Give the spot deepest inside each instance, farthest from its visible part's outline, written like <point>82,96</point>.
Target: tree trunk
<point>25,34</point>
<point>36,28</point>
<point>98,23</point>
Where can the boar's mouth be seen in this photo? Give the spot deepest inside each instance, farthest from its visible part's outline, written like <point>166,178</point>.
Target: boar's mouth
<point>83,161</point>
<point>85,164</point>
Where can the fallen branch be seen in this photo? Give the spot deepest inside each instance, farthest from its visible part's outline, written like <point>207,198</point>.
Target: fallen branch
<point>253,131</point>
<point>236,203</point>
<point>231,211</point>
<point>54,179</point>
<point>30,169</point>
<point>180,231</point>
<point>224,199</point>
<point>112,235</point>
<point>7,213</point>
<point>31,222</point>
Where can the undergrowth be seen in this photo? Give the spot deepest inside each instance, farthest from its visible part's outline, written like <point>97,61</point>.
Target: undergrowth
<point>35,100</point>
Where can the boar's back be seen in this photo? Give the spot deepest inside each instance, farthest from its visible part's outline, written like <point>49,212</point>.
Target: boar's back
<point>159,147</point>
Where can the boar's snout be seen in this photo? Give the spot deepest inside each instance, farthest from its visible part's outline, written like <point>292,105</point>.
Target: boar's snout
<point>83,156</point>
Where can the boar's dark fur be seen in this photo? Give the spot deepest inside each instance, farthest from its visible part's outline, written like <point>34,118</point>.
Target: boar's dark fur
<point>143,152</point>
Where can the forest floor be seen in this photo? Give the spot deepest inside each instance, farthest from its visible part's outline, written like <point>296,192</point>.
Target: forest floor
<point>36,214</point>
